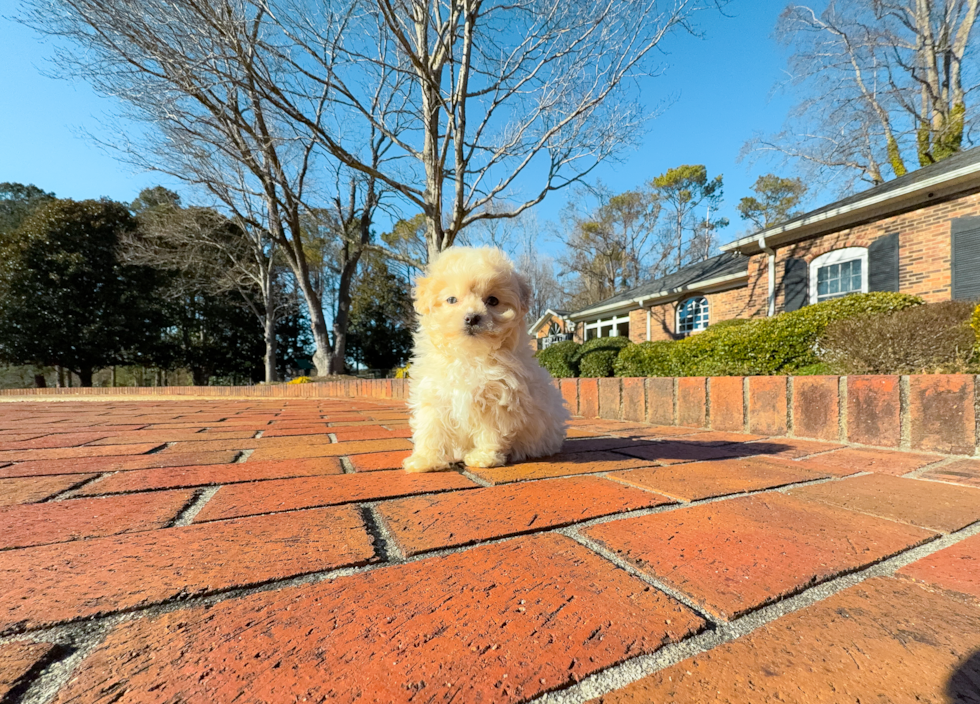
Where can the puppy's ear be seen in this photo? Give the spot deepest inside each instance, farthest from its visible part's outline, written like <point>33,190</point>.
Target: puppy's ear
<point>523,293</point>
<point>424,295</point>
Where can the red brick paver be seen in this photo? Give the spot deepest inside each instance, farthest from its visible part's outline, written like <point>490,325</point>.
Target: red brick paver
<point>55,583</point>
<point>956,568</point>
<point>852,460</point>
<point>927,504</point>
<point>375,461</point>
<point>425,523</point>
<point>501,623</point>
<point>876,642</point>
<point>559,466</point>
<point>61,521</point>
<point>16,662</point>
<point>702,480</point>
<point>958,472</point>
<point>734,556</point>
<point>115,464</point>
<point>28,490</point>
<point>304,492</point>
<point>204,475</point>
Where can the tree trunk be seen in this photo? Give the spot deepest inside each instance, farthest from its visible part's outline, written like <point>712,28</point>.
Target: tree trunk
<point>85,377</point>
<point>40,382</point>
<point>113,376</point>
<point>61,376</point>
<point>338,356</point>
<point>318,326</point>
<point>269,334</point>
<point>200,376</point>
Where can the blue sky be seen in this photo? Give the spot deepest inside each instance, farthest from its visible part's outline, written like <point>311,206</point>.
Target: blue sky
<point>720,86</point>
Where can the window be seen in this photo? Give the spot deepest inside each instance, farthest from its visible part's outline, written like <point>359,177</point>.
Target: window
<point>839,273</point>
<point>608,327</point>
<point>692,315</point>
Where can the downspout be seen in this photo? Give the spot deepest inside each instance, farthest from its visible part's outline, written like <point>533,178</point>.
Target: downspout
<point>771,278</point>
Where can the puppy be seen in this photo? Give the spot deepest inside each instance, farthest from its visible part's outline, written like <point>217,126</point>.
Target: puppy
<point>477,393</point>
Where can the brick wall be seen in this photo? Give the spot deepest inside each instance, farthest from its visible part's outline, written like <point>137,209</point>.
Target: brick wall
<point>924,250</point>
<point>723,305</point>
<point>925,413</point>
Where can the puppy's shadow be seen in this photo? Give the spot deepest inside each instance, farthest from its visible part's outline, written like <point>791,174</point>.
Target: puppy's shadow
<point>964,686</point>
<point>680,449</point>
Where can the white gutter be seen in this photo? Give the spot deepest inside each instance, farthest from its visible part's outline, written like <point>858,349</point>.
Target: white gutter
<point>634,302</point>
<point>862,204</point>
<point>771,278</point>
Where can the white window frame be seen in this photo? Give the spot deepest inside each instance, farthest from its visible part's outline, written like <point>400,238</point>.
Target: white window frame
<point>605,327</point>
<point>677,315</point>
<point>839,256</point>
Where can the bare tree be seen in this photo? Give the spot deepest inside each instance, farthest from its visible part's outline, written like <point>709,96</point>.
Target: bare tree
<point>193,71</point>
<point>505,100</point>
<point>878,79</point>
<point>612,246</point>
<point>215,254</point>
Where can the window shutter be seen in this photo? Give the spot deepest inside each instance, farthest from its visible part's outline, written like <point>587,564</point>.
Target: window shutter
<point>796,286</point>
<point>966,258</point>
<point>883,263</point>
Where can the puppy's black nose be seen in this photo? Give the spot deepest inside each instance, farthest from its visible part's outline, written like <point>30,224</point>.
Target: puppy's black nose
<point>472,319</point>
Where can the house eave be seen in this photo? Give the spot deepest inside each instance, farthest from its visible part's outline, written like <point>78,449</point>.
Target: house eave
<point>874,207</point>
<point>719,283</point>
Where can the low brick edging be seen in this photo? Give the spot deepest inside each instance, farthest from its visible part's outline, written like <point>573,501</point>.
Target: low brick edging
<point>347,388</point>
<point>935,412</point>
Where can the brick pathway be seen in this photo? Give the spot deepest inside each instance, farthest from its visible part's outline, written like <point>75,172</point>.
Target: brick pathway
<point>271,551</point>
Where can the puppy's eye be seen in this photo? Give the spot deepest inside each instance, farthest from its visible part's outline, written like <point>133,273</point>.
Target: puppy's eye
<point>492,301</point>
<point>451,300</point>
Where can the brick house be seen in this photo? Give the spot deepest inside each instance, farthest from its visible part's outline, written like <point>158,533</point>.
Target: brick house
<point>918,234</point>
<point>553,326</point>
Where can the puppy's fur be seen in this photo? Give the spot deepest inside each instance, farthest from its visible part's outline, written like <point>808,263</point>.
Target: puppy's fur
<point>478,395</point>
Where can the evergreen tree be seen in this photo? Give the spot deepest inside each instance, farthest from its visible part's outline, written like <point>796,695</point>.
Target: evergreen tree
<point>66,298</point>
<point>381,318</point>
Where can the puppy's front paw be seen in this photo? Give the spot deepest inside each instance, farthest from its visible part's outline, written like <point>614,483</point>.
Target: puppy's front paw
<point>423,463</point>
<point>484,458</point>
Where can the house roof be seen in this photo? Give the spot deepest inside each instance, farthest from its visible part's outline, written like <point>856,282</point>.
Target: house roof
<point>545,317</point>
<point>955,175</point>
<point>719,269</point>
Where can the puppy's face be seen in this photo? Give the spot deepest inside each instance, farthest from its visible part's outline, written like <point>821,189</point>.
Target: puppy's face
<point>471,298</point>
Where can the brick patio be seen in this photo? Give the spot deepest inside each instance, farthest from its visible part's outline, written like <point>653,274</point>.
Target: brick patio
<point>270,550</point>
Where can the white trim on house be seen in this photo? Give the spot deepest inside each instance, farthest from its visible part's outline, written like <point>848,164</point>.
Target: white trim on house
<point>540,321</point>
<point>600,325</point>
<point>875,206</point>
<point>839,256</point>
<point>714,285</point>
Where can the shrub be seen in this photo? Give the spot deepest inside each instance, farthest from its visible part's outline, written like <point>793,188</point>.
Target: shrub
<point>301,380</point>
<point>596,357</point>
<point>930,338</point>
<point>975,324</point>
<point>557,359</point>
<point>778,345</point>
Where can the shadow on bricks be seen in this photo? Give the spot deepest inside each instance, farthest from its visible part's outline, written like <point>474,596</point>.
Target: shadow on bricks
<point>964,685</point>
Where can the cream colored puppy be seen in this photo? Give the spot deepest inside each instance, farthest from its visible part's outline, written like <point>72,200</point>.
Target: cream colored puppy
<point>477,393</point>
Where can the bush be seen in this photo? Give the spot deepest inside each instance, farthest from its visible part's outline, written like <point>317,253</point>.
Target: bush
<point>557,359</point>
<point>925,339</point>
<point>975,324</point>
<point>782,344</point>
<point>596,357</point>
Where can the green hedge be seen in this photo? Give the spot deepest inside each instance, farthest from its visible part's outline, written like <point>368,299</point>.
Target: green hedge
<point>782,344</point>
<point>596,357</point>
<point>557,359</point>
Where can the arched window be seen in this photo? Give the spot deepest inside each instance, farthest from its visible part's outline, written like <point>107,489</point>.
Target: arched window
<point>692,315</point>
<point>839,273</point>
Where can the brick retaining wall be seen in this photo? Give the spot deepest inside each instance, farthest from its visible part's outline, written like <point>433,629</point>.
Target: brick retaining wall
<point>936,413</point>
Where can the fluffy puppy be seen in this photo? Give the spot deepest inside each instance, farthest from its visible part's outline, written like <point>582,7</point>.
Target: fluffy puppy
<point>478,395</point>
